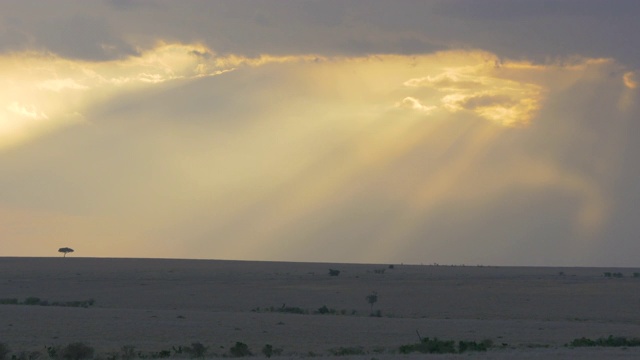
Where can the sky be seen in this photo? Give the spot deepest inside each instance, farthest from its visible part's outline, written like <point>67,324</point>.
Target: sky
<point>496,132</point>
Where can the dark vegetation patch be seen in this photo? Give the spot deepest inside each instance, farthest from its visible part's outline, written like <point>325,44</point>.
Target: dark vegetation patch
<point>32,300</point>
<point>437,346</point>
<point>611,341</point>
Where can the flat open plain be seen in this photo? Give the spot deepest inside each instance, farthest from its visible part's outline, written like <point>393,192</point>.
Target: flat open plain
<point>157,304</point>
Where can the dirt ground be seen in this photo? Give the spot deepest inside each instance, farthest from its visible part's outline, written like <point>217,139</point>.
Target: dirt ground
<point>161,304</point>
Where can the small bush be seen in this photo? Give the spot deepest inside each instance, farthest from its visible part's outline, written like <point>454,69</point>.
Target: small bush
<point>27,355</point>
<point>32,300</point>
<point>611,341</point>
<point>430,346</point>
<point>52,352</point>
<point>240,350</point>
<point>324,310</point>
<point>128,352</point>
<point>474,346</point>
<point>333,272</point>
<point>162,354</point>
<point>606,274</point>
<point>618,275</point>
<point>346,351</point>
<point>292,310</point>
<point>77,351</point>
<point>379,271</point>
<point>636,274</point>
<point>4,351</point>
<point>267,350</point>
<point>9,301</point>
<point>197,350</point>
<point>372,299</point>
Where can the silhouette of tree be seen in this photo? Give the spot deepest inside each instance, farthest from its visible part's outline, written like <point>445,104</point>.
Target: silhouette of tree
<point>65,251</point>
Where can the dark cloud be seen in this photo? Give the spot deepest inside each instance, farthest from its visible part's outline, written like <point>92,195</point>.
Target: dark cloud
<point>82,37</point>
<point>538,30</point>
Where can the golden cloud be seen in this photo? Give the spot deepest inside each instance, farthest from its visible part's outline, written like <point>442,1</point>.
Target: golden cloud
<point>477,89</point>
<point>629,79</point>
<point>43,91</point>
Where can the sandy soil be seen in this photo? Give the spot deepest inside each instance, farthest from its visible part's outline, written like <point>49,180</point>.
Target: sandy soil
<point>156,304</point>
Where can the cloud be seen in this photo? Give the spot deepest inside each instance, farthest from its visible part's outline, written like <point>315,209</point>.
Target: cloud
<point>30,112</point>
<point>481,88</point>
<point>57,89</point>
<point>415,104</point>
<point>629,79</point>
<point>58,85</point>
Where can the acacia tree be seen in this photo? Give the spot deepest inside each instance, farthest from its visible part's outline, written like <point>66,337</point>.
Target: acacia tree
<point>65,251</point>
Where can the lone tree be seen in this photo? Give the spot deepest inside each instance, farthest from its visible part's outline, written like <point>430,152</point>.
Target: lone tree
<point>65,251</point>
<point>372,299</point>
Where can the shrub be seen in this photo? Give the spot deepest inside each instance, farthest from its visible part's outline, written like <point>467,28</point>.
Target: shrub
<point>197,350</point>
<point>128,352</point>
<point>606,274</point>
<point>267,350</point>
<point>345,351</point>
<point>32,300</point>
<point>292,310</point>
<point>379,271</point>
<point>324,310</point>
<point>4,351</point>
<point>162,354</point>
<point>52,352</point>
<point>333,272</point>
<point>430,346</point>
<point>617,275</point>
<point>611,341</point>
<point>372,299</point>
<point>77,351</point>
<point>240,350</point>
<point>27,355</point>
<point>9,301</point>
<point>636,274</point>
<point>474,346</point>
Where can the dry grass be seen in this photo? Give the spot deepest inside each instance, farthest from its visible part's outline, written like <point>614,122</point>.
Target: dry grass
<point>156,304</point>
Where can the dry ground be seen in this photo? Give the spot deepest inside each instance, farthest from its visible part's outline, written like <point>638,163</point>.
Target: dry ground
<point>155,304</point>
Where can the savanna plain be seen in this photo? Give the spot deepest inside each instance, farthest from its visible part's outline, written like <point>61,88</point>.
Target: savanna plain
<point>124,309</point>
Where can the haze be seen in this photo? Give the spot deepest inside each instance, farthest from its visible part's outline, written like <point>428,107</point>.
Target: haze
<point>457,132</point>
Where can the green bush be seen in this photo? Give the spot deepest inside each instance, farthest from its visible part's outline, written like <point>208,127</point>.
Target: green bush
<point>128,352</point>
<point>197,350</point>
<point>52,352</point>
<point>267,350</point>
<point>430,346</point>
<point>240,350</point>
<point>27,355</point>
<point>346,351</point>
<point>611,341</point>
<point>32,300</point>
<point>4,351</point>
<point>9,301</point>
<point>474,346</point>
<point>77,351</point>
